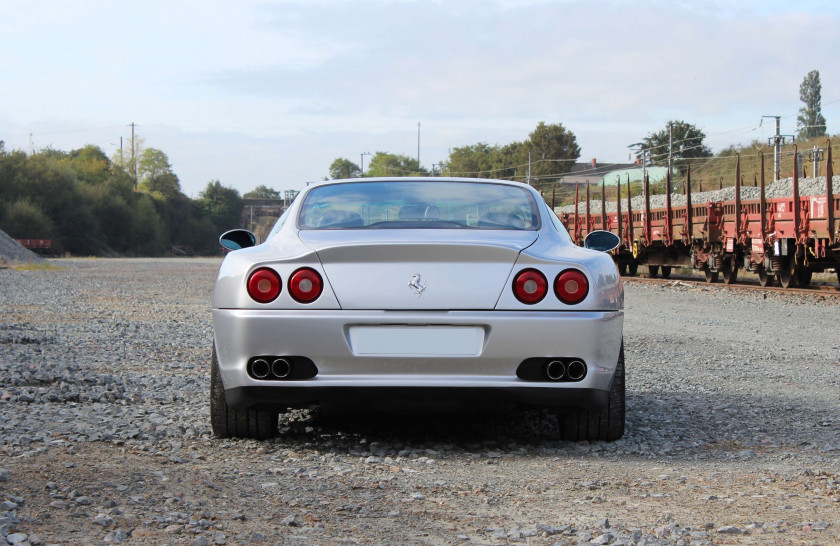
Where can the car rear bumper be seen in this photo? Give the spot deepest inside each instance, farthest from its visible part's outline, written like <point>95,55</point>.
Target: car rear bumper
<point>412,398</point>
<point>345,374</point>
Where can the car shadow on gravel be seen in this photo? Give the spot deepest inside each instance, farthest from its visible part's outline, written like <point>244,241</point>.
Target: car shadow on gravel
<point>676,425</point>
<point>506,431</point>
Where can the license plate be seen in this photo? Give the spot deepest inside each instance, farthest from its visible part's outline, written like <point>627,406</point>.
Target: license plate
<point>416,340</point>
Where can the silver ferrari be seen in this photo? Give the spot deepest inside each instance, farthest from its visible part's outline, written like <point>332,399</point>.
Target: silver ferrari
<point>421,292</point>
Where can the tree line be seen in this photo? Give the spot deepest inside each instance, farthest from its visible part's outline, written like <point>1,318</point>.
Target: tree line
<point>132,204</point>
<point>89,204</point>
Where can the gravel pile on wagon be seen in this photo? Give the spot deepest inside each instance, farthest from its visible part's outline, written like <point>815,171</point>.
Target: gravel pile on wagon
<point>782,188</point>
<point>12,252</point>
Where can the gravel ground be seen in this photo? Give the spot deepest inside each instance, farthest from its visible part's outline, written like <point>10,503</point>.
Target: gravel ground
<point>732,434</point>
<point>782,188</point>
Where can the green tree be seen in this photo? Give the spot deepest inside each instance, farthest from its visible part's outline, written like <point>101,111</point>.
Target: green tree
<point>222,204</point>
<point>149,237</point>
<point>262,192</point>
<point>126,161</point>
<point>385,164</point>
<point>164,186</point>
<point>344,168</point>
<point>88,164</point>
<point>477,160</point>
<point>24,220</point>
<point>687,143</point>
<point>810,120</point>
<point>152,164</point>
<point>51,186</point>
<point>553,148</point>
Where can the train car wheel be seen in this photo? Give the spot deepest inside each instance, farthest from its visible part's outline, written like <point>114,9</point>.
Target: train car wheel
<point>803,277</point>
<point>653,271</point>
<point>764,278</point>
<point>632,269</point>
<point>711,276</point>
<point>838,275</point>
<point>622,269</point>
<point>787,279</point>
<point>666,271</point>
<point>730,272</point>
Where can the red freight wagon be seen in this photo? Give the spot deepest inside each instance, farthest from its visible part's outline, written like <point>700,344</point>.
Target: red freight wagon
<point>789,238</point>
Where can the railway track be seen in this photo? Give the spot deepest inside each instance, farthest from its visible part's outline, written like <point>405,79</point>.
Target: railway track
<point>816,288</point>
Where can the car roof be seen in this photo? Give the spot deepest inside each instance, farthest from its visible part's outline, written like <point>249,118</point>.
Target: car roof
<point>420,179</point>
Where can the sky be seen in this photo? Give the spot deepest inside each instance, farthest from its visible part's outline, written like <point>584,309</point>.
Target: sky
<point>271,92</point>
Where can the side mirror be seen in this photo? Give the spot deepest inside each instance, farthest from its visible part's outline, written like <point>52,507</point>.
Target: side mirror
<point>602,241</point>
<point>236,239</point>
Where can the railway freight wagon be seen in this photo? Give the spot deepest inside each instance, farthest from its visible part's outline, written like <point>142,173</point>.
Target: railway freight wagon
<point>788,238</point>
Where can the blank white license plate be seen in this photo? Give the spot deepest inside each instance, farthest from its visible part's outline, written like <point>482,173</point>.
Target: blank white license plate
<point>417,340</point>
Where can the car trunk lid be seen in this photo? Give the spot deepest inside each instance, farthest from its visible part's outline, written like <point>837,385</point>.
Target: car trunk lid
<point>417,269</point>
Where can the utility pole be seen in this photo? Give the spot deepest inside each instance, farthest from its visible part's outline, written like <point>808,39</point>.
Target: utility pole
<point>777,140</point>
<point>133,161</point>
<point>362,175</point>
<point>121,153</point>
<point>670,157</point>
<point>529,166</point>
<point>418,145</point>
<point>816,156</point>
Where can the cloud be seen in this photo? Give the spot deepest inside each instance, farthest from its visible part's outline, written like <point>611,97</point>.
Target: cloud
<point>256,92</point>
<point>590,61</point>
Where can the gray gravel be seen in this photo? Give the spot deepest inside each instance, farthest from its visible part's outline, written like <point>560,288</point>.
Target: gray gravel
<point>733,434</point>
<point>782,188</point>
<point>13,253</point>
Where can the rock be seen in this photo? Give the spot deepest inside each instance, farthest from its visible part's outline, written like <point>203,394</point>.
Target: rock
<point>547,530</point>
<point>602,539</point>
<point>116,536</point>
<point>103,519</point>
<point>290,521</point>
<point>17,538</point>
<point>732,530</point>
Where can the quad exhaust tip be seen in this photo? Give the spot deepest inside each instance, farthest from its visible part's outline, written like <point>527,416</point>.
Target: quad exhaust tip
<point>555,370</point>
<point>281,368</point>
<point>576,370</point>
<point>563,370</point>
<point>260,368</point>
<point>269,368</point>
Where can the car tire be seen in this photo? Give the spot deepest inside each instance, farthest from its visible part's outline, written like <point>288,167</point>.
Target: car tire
<point>228,422</point>
<point>577,424</point>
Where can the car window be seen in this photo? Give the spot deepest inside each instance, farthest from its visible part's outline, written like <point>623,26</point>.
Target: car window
<point>419,204</point>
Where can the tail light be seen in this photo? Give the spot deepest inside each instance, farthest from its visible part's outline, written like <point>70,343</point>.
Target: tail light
<point>530,286</point>
<point>571,286</point>
<point>264,285</point>
<point>305,285</point>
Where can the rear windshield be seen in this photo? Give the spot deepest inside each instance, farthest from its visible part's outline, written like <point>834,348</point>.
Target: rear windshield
<point>419,204</point>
